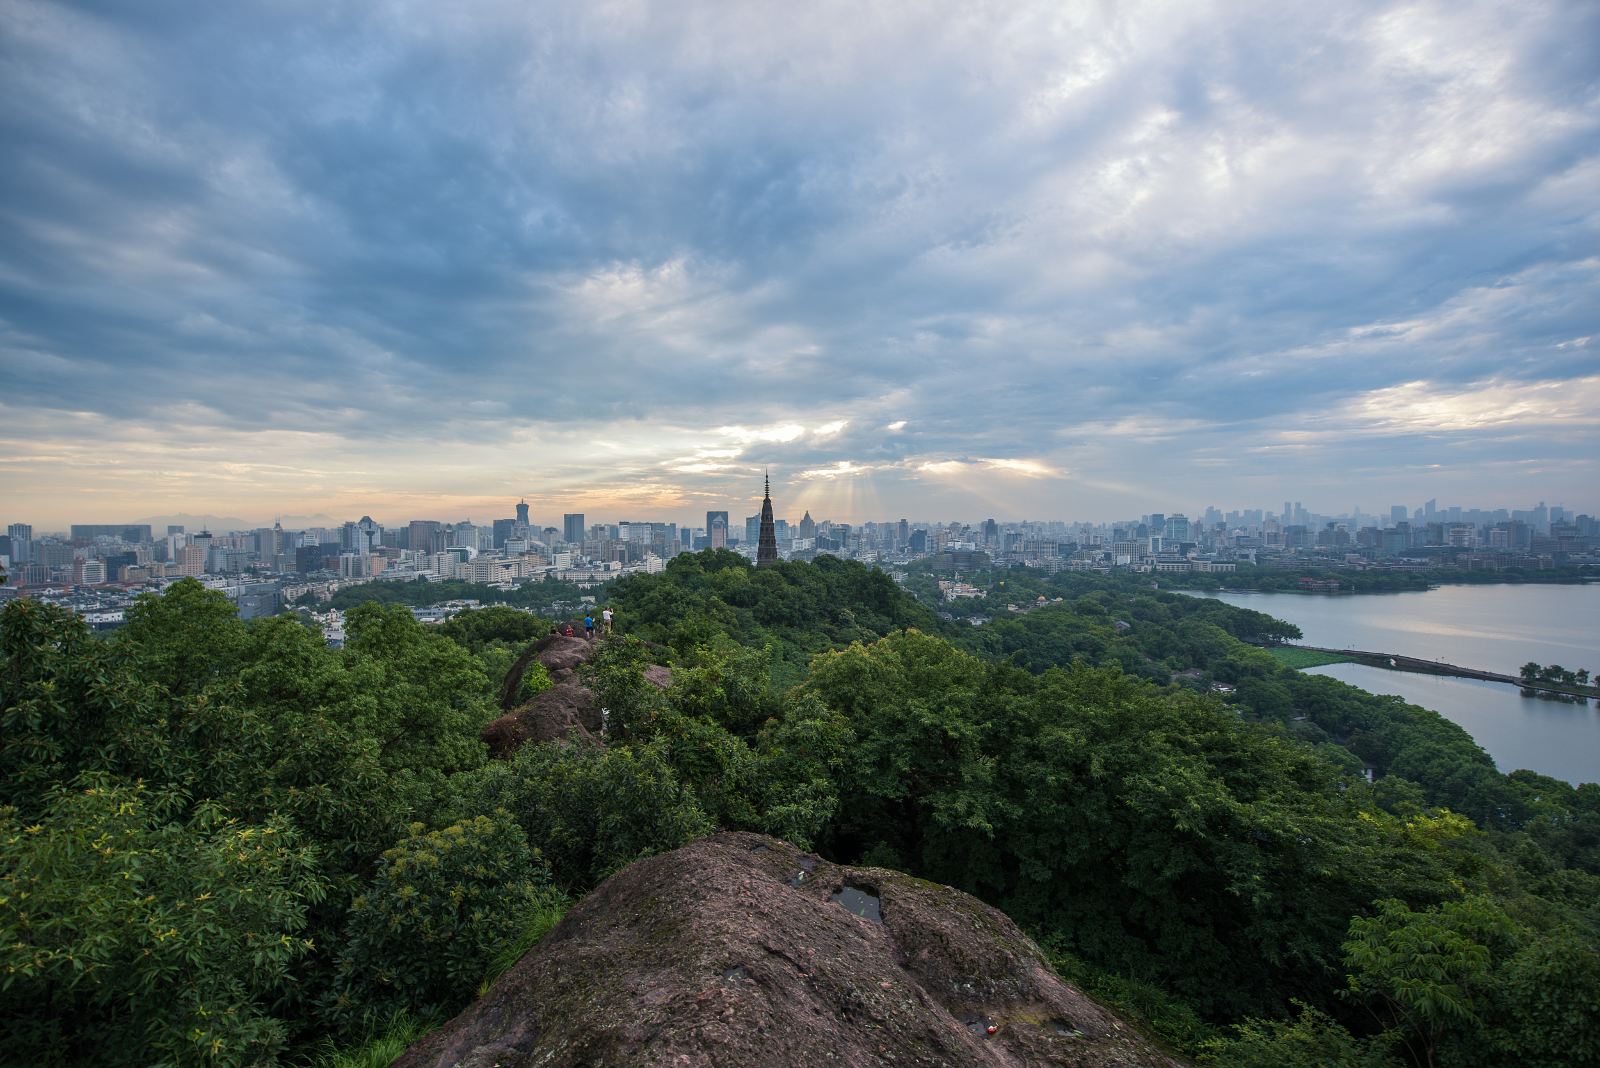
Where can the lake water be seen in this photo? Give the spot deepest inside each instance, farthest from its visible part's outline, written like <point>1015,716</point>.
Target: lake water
<point>1494,628</point>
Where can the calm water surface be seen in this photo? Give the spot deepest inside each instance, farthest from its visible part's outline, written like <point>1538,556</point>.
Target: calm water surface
<point>1495,628</point>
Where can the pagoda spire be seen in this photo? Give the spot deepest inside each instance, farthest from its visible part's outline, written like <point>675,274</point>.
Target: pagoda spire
<point>767,545</point>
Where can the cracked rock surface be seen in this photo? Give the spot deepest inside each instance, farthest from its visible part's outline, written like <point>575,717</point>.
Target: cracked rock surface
<point>715,955</point>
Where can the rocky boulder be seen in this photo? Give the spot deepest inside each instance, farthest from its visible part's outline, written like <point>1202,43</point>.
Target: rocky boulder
<point>556,652</point>
<point>566,710</point>
<point>740,950</point>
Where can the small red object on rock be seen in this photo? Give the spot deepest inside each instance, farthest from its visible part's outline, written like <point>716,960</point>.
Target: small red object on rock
<point>991,1029</point>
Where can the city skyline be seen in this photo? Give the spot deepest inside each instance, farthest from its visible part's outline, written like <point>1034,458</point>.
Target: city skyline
<point>571,526</point>
<point>622,259</point>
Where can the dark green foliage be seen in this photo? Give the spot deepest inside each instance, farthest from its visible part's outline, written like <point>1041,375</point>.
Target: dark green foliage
<point>1201,856</point>
<point>547,597</point>
<point>1313,1039</point>
<point>1282,580</point>
<point>63,703</point>
<point>424,932</point>
<point>501,624</point>
<point>587,811</point>
<point>1464,983</point>
<point>1154,831</point>
<point>261,725</point>
<point>795,609</point>
<point>127,938</point>
<point>754,760</point>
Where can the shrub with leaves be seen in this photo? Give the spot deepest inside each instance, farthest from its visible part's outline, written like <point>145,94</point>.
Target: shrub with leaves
<point>589,811</point>
<point>429,925</point>
<point>128,939</point>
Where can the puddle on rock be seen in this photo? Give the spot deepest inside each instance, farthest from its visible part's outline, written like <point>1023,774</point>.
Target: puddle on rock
<point>807,866</point>
<point>977,1023</point>
<point>860,900</point>
<point>736,973</point>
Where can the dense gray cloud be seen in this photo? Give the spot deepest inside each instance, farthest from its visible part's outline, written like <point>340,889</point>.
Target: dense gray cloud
<point>1084,260</point>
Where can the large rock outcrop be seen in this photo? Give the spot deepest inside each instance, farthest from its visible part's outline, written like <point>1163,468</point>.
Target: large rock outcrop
<point>739,950</point>
<point>559,655</point>
<point>566,710</point>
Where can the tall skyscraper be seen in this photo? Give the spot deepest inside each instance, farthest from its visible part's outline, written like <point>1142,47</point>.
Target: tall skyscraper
<point>522,512</point>
<point>21,535</point>
<point>572,528</point>
<point>717,532</point>
<point>767,543</point>
<point>426,536</point>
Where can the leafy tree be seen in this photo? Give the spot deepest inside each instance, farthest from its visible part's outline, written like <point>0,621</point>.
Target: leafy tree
<point>129,939</point>
<point>481,627</point>
<point>1313,1039</point>
<point>429,697</point>
<point>427,927</point>
<point>1426,973</point>
<point>587,811</point>
<point>64,703</point>
<point>184,638</point>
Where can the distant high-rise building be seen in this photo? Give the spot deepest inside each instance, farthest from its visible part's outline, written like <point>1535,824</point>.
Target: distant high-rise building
<point>572,528</point>
<point>767,539</point>
<point>21,535</point>
<point>503,529</point>
<point>425,536</point>
<point>808,527</point>
<point>717,531</point>
<point>1398,514</point>
<point>752,529</point>
<point>522,512</point>
<point>362,536</point>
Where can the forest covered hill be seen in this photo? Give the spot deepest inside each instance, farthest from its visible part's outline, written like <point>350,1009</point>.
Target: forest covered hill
<point>225,843</point>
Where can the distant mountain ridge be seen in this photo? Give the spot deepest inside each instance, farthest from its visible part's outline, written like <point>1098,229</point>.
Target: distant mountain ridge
<point>228,522</point>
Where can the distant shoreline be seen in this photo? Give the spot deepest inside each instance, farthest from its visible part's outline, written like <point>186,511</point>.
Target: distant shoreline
<point>1433,584</point>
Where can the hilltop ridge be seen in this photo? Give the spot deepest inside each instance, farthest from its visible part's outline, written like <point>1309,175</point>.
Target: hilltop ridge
<point>740,949</point>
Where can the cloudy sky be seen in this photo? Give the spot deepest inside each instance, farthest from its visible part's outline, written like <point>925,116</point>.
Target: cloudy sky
<point>1053,260</point>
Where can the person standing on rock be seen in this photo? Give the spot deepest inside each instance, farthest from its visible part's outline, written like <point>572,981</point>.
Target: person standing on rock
<point>588,627</point>
<point>605,618</point>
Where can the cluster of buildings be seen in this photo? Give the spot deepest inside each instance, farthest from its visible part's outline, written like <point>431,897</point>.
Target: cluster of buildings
<point>1401,539</point>
<point>96,568</point>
